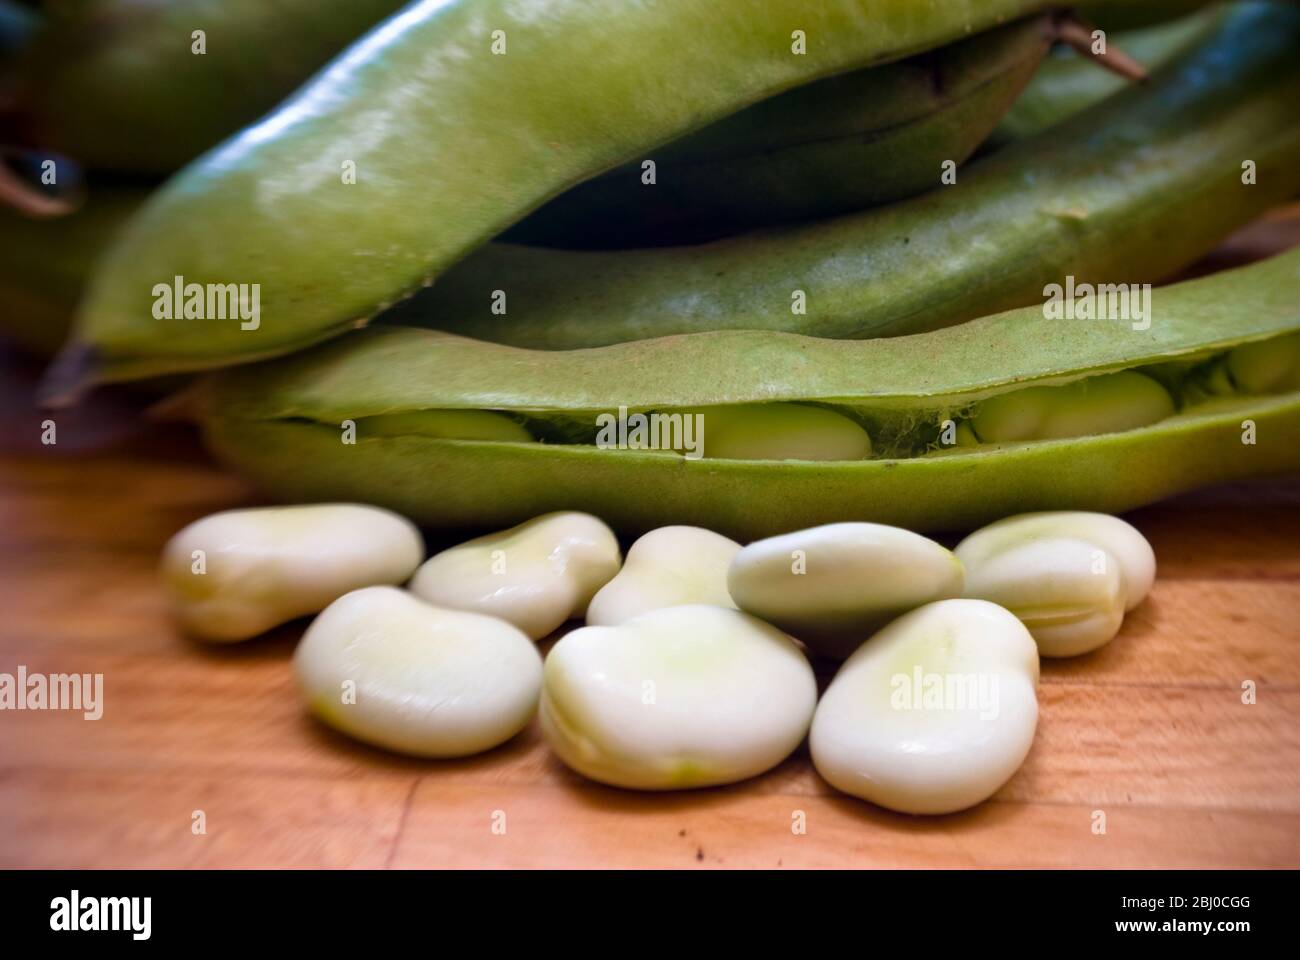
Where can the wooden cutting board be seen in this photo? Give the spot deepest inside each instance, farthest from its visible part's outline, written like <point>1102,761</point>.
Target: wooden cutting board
<point>1151,731</point>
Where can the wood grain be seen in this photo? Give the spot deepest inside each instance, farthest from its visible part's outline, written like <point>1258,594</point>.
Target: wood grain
<point>1151,730</point>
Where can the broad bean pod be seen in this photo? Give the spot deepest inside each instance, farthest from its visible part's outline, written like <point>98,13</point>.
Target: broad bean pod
<point>1129,191</point>
<point>437,130</point>
<point>840,144</point>
<point>284,424</point>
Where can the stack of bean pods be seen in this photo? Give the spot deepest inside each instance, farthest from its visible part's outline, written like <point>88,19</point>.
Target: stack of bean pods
<point>751,268</point>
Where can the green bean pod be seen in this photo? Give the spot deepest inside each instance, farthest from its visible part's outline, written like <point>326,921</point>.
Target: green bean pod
<point>440,128</point>
<point>840,144</point>
<point>298,427</point>
<point>48,262</point>
<point>121,85</point>
<point>1130,190</point>
<point>1068,83</point>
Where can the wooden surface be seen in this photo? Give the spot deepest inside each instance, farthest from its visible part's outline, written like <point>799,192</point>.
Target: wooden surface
<point>1151,729</point>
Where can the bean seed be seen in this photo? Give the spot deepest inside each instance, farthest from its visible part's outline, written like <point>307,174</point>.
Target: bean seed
<point>1121,540</point>
<point>668,567</point>
<point>1267,366</point>
<point>782,431</point>
<point>934,713</point>
<point>1094,405</point>
<point>832,586</point>
<point>1069,593</point>
<point>680,697</point>
<point>535,575</point>
<point>239,573</point>
<point>387,668</point>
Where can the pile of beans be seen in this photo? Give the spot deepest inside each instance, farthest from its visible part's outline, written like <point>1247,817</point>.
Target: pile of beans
<point>693,668</point>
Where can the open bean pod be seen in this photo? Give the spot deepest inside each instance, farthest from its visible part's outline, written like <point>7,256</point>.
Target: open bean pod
<point>287,424</point>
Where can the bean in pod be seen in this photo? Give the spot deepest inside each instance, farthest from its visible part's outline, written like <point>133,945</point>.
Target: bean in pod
<point>932,714</point>
<point>1265,367</point>
<point>278,424</point>
<point>393,671</point>
<point>779,431</point>
<point>668,567</point>
<point>536,575</point>
<point>235,574</point>
<point>436,131</point>
<point>1106,403</point>
<point>833,586</point>
<point>681,697</point>
<point>1127,192</point>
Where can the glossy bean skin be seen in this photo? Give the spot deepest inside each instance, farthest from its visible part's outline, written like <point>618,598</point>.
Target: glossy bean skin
<point>1119,539</point>
<point>451,144</point>
<point>832,587</point>
<point>668,567</point>
<point>1067,83</point>
<point>114,84</point>
<point>427,681</point>
<point>829,147</point>
<point>236,574</point>
<point>676,698</point>
<point>1069,593</point>
<point>278,424</point>
<point>535,576</point>
<point>877,736</point>
<point>1128,191</point>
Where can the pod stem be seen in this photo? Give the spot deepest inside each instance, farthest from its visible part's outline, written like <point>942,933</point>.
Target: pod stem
<point>69,377</point>
<point>1078,34</point>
